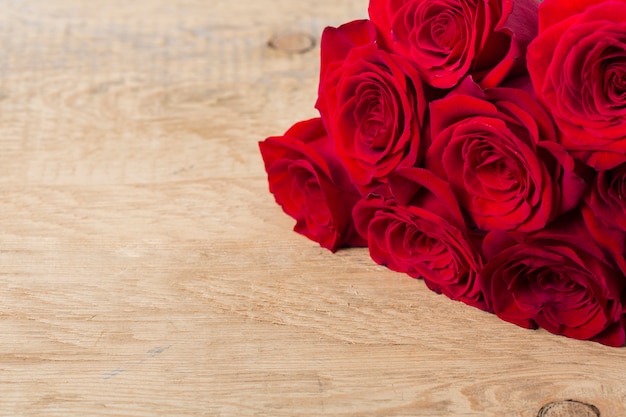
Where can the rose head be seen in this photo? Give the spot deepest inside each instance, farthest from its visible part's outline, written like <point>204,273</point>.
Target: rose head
<point>449,39</point>
<point>422,232</point>
<point>311,185</point>
<point>557,279</point>
<point>372,104</point>
<point>605,212</point>
<point>497,149</point>
<point>607,197</point>
<point>578,68</point>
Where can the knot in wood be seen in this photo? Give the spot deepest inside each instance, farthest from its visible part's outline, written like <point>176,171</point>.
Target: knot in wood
<point>292,42</point>
<point>568,408</point>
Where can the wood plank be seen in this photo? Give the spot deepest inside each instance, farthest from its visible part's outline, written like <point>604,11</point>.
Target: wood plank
<point>146,269</point>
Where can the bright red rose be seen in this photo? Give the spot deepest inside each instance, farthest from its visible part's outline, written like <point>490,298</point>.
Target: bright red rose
<point>311,185</point>
<point>557,279</point>
<point>422,232</point>
<point>605,212</point>
<point>449,39</point>
<point>497,149</point>
<point>372,104</point>
<point>578,68</point>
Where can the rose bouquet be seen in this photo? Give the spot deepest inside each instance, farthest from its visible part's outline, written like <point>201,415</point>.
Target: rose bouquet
<point>479,145</point>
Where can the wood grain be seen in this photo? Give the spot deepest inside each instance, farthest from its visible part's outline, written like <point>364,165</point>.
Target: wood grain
<point>147,271</point>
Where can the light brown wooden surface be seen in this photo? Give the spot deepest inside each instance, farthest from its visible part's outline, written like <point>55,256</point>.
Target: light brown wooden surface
<point>146,270</point>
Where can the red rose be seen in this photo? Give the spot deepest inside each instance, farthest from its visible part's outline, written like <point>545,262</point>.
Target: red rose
<point>557,279</point>
<point>497,149</point>
<point>578,68</point>
<point>372,104</point>
<point>449,39</point>
<point>311,185</point>
<point>422,232</point>
<point>605,212</point>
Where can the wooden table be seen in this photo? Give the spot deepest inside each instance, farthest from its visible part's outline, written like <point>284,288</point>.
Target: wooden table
<point>147,271</point>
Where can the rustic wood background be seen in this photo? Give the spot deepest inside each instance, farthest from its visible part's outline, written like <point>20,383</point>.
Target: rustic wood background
<point>146,270</point>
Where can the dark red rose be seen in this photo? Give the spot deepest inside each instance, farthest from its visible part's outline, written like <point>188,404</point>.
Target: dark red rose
<point>497,149</point>
<point>311,185</point>
<point>422,232</point>
<point>449,39</point>
<point>605,212</point>
<point>372,104</point>
<point>557,279</point>
<point>578,68</point>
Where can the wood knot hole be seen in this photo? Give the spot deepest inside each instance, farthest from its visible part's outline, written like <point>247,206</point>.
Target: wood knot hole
<point>569,408</point>
<point>292,42</point>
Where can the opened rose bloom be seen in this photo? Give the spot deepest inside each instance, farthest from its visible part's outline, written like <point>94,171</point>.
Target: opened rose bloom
<point>605,212</point>
<point>372,104</point>
<point>557,279</point>
<point>311,185</point>
<point>497,149</point>
<point>578,67</point>
<point>422,232</point>
<point>449,39</point>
